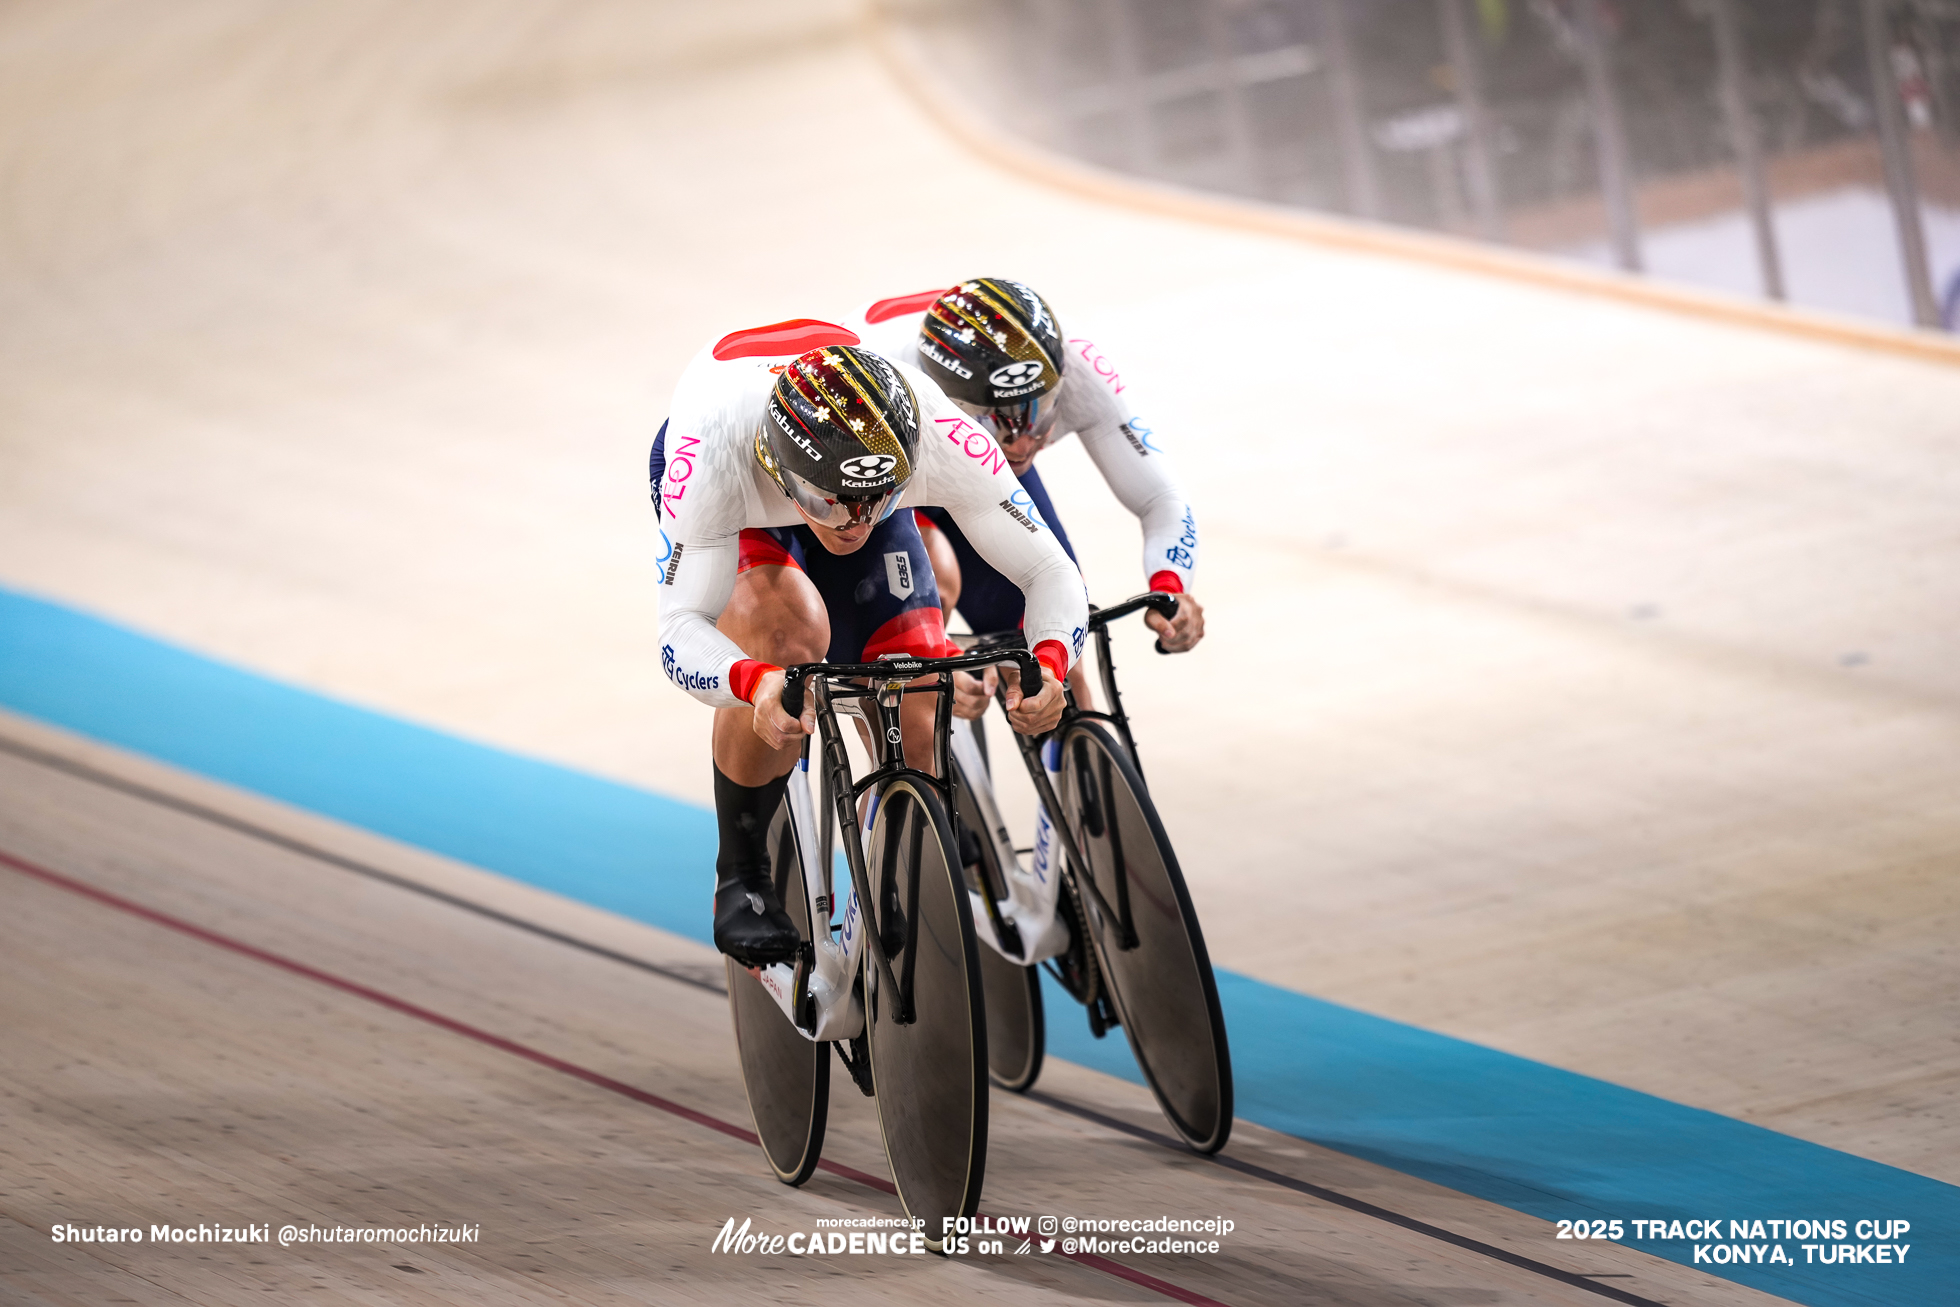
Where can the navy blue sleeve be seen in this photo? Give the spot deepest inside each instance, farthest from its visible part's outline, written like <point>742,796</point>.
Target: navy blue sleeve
<point>657,465</point>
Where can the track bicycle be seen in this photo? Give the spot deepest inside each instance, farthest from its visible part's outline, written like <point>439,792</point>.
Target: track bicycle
<point>892,982</point>
<point>1110,916</point>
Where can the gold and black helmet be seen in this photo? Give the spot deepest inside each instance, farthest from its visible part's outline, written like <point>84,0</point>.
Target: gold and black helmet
<point>994,347</point>
<point>840,435</point>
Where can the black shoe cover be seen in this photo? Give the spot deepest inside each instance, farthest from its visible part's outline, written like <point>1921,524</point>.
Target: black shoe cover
<point>750,924</point>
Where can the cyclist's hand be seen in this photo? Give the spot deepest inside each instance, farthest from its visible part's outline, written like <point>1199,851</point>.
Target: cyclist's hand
<point>776,727</point>
<point>972,693</point>
<point>1032,716</point>
<point>1181,632</point>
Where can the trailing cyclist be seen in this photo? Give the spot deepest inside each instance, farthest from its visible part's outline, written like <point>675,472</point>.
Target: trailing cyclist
<point>776,478</point>
<point>995,347</point>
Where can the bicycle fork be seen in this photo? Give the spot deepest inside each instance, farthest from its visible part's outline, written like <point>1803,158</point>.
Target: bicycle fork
<point>818,992</point>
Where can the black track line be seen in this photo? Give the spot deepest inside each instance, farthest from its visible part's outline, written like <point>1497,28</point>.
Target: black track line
<point>47,876</point>
<point>83,771</point>
<point>1257,1172</point>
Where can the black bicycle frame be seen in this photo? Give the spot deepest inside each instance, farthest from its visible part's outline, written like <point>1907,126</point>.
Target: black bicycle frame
<point>887,691</point>
<point>1159,602</point>
<point>1099,619</point>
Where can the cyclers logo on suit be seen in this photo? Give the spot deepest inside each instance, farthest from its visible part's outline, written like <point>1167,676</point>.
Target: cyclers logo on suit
<point>1184,553</point>
<point>673,563</point>
<point>685,679</point>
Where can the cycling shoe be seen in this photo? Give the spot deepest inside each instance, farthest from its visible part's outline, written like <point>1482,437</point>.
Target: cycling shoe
<point>750,924</point>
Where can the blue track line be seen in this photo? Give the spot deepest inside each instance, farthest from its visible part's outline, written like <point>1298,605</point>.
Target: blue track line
<point>1531,1137</point>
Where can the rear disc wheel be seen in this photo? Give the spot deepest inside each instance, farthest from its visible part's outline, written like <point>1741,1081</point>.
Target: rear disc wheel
<point>1016,1030</point>
<point>787,1076</point>
<point>1016,1036</point>
<point>1163,989</point>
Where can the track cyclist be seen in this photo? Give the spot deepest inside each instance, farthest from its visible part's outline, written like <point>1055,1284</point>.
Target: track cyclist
<point>997,350</point>
<point>777,476</point>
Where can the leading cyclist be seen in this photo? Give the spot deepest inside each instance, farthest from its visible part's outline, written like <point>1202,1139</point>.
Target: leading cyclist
<point>995,347</point>
<point>776,477</point>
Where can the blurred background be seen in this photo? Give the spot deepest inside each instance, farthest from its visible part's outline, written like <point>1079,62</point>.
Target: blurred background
<point>1800,150</point>
<point>1579,680</point>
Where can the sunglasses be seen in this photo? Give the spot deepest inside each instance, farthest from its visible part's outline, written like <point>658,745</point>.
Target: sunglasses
<point>837,512</point>
<point>1032,419</point>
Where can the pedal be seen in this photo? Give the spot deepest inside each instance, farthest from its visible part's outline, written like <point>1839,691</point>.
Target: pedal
<point>1102,1017</point>
<point>806,1002</point>
<point>857,1062</point>
<point>1010,937</point>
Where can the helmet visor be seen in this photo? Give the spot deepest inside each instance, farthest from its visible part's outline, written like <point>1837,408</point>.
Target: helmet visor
<point>1032,418</point>
<point>839,512</point>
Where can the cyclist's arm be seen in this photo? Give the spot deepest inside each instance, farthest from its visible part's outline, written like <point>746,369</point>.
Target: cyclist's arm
<point>965,473</point>
<point>704,508</point>
<point>1139,474</point>
<point>695,583</point>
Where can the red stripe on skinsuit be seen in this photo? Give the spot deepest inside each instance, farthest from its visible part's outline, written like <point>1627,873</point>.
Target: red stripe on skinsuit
<point>760,549</point>
<point>920,632</point>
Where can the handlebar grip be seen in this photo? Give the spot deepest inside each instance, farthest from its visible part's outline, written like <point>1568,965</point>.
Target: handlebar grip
<point>1029,666</point>
<point>1165,606</point>
<point>793,691</point>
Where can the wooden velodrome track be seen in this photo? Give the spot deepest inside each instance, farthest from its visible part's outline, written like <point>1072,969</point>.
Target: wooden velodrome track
<point>1597,663</point>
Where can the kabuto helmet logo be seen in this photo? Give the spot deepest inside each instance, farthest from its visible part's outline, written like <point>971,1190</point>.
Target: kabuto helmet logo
<point>868,467</point>
<point>1015,375</point>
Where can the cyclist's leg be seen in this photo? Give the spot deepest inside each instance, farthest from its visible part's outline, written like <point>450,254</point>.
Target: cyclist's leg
<point>880,599</point>
<point>774,614</point>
